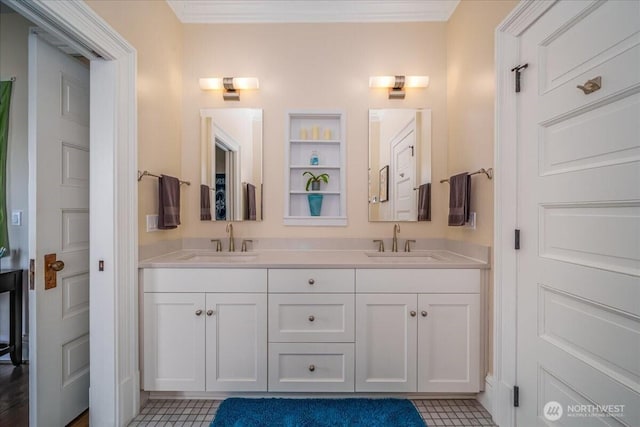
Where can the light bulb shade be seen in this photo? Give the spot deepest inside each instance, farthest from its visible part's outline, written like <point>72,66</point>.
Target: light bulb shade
<point>237,83</point>
<point>398,81</point>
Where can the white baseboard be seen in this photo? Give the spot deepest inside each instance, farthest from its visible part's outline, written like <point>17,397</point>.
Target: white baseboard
<point>486,397</point>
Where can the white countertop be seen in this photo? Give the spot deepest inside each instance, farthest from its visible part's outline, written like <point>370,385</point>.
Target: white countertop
<point>195,258</point>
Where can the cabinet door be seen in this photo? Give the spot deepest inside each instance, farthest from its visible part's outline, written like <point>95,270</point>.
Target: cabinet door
<point>174,342</point>
<point>449,343</point>
<point>386,334</point>
<point>236,340</point>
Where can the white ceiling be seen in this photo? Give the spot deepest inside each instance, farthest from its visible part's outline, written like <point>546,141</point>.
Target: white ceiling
<point>282,11</point>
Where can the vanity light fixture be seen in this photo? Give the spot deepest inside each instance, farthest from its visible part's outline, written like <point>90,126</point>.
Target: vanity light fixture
<point>231,85</point>
<point>396,84</point>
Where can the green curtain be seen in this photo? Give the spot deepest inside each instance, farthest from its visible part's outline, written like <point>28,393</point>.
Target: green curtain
<point>5,101</point>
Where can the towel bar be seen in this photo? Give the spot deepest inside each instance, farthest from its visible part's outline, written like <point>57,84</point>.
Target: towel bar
<point>147,173</point>
<point>488,172</point>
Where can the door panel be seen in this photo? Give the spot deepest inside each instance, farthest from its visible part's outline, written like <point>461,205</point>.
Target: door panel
<point>579,211</point>
<point>236,342</point>
<point>59,204</point>
<point>386,341</point>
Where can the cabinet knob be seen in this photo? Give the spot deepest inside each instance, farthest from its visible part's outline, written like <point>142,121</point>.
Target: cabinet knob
<point>312,368</point>
<point>311,281</point>
<point>210,312</point>
<point>424,313</point>
<point>412,313</point>
<point>312,318</point>
<point>198,312</point>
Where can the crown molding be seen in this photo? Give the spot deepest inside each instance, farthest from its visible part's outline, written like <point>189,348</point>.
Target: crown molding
<point>311,11</point>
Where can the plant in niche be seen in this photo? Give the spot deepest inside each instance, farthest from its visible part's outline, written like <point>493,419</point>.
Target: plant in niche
<point>314,181</point>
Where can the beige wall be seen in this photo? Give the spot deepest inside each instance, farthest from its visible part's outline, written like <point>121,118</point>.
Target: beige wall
<point>470,110</point>
<point>153,29</point>
<point>313,66</point>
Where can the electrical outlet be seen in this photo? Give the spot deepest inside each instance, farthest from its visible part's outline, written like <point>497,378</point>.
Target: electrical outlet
<point>471,225</point>
<point>152,223</point>
<point>16,217</point>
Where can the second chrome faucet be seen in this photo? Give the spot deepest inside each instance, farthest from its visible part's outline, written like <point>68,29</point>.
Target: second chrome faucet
<point>394,244</point>
<point>232,244</point>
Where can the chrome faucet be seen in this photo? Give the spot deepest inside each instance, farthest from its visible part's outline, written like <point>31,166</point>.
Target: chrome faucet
<point>394,244</point>
<point>232,245</point>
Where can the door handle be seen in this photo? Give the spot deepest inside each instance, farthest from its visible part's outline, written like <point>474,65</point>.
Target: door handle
<point>51,267</point>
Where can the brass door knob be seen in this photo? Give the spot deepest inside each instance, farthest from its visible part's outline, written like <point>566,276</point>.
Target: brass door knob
<point>56,265</point>
<point>210,312</point>
<point>312,318</point>
<point>413,313</point>
<point>198,312</point>
<point>424,313</point>
<point>312,368</point>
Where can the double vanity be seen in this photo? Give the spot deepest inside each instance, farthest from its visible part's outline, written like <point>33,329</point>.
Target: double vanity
<point>309,319</point>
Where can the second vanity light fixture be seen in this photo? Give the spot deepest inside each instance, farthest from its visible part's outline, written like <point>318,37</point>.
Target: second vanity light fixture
<point>396,84</point>
<point>231,85</point>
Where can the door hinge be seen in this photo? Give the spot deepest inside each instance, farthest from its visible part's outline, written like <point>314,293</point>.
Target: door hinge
<point>516,239</point>
<point>412,153</point>
<point>518,71</point>
<point>516,396</point>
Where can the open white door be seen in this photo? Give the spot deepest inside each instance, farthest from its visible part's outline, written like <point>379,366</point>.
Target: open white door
<point>59,205</point>
<point>403,180</point>
<point>578,345</point>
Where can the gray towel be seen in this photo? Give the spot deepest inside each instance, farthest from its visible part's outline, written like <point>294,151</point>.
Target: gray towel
<point>205,203</point>
<point>459,199</point>
<point>169,202</point>
<point>424,202</point>
<point>251,202</point>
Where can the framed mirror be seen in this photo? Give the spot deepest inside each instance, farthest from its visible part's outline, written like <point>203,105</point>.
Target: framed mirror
<point>231,164</point>
<point>400,165</point>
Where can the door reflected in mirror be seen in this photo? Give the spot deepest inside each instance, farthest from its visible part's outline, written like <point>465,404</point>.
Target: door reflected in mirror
<point>400,165</point>
<point>231,164</point>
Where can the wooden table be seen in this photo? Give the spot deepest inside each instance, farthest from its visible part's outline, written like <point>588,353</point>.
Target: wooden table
<point>11,281</point>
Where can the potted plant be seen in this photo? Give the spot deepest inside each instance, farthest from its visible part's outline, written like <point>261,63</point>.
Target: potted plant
<point>315,200</point>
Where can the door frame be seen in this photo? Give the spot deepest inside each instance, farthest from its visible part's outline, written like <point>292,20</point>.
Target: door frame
<point>114,393</point>
<point>498,398</point>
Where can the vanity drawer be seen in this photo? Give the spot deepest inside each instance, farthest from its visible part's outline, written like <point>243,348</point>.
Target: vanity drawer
<point>311,367</point>
<point>312,280</point>
<point>311,318</point>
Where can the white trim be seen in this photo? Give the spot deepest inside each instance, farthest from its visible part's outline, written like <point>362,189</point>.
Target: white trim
<point>280,11</point>
<point>114,393</point>
<point>486,397</point>
<point>506,216</point>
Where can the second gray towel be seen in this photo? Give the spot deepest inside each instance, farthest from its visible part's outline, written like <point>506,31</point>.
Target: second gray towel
<point>168,202</point>
<point>205,203</point>
<point>459,199</point>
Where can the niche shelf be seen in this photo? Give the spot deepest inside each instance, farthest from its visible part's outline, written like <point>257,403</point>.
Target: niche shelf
<point>328,141</point>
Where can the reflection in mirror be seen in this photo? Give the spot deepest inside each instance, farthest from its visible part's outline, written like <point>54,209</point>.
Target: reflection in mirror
<point>400,165</point>
<point>231,164</point>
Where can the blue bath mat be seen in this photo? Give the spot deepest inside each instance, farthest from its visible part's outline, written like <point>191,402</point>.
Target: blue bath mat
<point>238,412</point>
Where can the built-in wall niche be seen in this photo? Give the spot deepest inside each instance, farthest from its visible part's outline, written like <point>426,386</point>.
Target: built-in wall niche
<point>231,164</point>
<point>399,164</point>
<point>315,144</point>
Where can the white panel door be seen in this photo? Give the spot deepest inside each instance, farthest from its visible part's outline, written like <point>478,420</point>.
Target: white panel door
<point>174,341</point>
<point>236,340</point>
<point>403,174</point>
<point>449,343</point>
<point>386,334</point>
<point>579,211</point>
<point>59,205</point>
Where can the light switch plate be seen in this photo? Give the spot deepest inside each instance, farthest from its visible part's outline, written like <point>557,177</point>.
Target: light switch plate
<point>152,223</point>
<point>16,217</point>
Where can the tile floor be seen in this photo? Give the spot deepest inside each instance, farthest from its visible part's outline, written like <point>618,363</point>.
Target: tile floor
<point>199,413</point>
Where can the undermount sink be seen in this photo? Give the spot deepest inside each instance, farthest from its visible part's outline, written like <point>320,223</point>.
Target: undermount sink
<point>405,257</point>
<point>218,257</point>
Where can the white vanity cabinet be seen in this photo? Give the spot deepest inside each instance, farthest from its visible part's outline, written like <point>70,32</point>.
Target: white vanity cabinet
<point>311,330</point>
<point>418,330</point>
<point>201,336</point>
